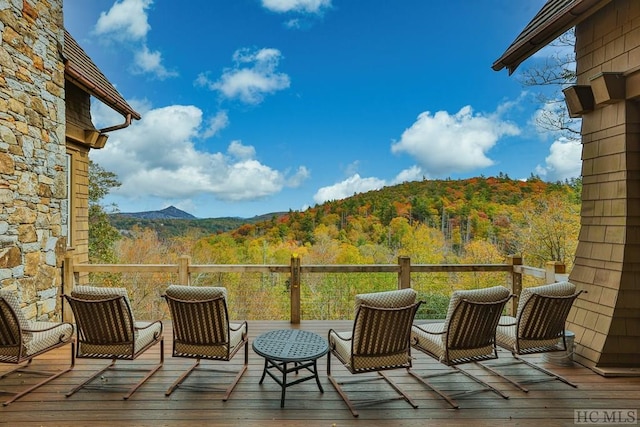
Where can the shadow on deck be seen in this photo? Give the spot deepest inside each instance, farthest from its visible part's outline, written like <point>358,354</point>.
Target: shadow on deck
<point>550,404</point>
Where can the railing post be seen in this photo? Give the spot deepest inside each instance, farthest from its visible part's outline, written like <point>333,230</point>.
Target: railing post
<point>552,268</point>
<point>68,283</point>
<point>404,274</point>
<point>295,289</point>
<point>183,269</point>
<point>515,283</point>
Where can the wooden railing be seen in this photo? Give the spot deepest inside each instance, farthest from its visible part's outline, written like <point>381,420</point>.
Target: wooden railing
<point>184,270</point>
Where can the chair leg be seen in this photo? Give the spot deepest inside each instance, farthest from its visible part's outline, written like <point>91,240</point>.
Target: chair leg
<point>112,366</point>
<point>450,397</point>
<point>423,380</point>
<point>551,376</point>
<point>91,378</point>
<point>404,395</point>
<point>229,388</point>
<point>487,387</point>
<point>50,376</point>
<point>343,395</point>
<point>182,378</point>
<point>232,386</point>
<point>142,381</point>
<point>352,405</point>
<point>504,377</point>
<point>150,373</point>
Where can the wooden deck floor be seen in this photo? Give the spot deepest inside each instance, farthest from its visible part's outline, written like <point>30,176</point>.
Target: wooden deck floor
<point>251,404</point>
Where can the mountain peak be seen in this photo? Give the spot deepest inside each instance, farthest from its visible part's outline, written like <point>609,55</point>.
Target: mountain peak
<point>170,212</point>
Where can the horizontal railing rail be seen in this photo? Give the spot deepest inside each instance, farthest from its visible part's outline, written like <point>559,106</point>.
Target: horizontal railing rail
<point>184,271</point>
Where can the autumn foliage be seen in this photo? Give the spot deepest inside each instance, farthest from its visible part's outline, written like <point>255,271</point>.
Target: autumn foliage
<point>472,221</point>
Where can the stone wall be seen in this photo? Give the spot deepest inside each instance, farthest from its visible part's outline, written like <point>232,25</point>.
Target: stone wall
<point>33,188</point>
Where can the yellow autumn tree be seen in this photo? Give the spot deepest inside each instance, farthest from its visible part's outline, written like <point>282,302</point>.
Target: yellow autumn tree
<point>548,229</point>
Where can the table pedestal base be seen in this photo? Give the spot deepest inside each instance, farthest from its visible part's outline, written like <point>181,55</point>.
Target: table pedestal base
<point>310,366</point>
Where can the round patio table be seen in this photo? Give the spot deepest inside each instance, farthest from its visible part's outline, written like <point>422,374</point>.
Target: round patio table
<point>284,346</point>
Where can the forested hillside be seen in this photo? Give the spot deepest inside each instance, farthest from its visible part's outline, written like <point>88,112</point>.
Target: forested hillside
<point>534,218</point>
<point>471,221</point>
<point>168,228</point>
<point>494,210</point>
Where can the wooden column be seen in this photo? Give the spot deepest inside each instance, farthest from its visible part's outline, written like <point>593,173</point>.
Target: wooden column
<point>551,269</point>
<point>68,282</point>
<point>295,289</point>
<point>184,278</point>
<point>404,274</point>
<point>514,281</point>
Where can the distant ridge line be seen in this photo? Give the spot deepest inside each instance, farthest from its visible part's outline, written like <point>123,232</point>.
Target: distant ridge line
<point>170,212</point>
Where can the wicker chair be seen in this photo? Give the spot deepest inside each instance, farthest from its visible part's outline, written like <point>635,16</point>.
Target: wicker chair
<point>21,340</point>
<point>379,341</point>
<point>106,329</point>
<point>537,328</point>
<point>467,335</point>
<point>201,330</point>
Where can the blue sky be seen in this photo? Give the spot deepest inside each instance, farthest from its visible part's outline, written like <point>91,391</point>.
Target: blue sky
<point>257,106</point>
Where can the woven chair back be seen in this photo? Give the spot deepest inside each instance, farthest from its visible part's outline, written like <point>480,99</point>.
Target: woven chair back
<point>107,321</point>
<point>10,338</point>
<point>199,322</point>
<point>543,317</point>
<point>473,324</point>
<point>383,331</point>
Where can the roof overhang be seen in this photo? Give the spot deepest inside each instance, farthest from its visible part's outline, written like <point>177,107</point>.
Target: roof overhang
<point>555,18</point>
<point>81,71</point>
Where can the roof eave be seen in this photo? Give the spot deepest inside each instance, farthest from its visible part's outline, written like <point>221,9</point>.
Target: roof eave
<point>547,31</point>
<point>76,76</point>
<point>83,72</point>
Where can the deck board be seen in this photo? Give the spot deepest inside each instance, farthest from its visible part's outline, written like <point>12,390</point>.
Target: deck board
<point>251,404</point>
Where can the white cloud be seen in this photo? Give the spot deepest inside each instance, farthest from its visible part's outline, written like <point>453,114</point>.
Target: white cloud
<point>414,173</point>
<point>304,6</point>
<point>301,175</point>
<point>237,150</point>
<point>443,143</point>
<point>253,76</point>
<point>127,19</point>
<point>156,157</point>
<point>149,62</point>
<point>127,22</point>
<point>216,124</point>
<point>356,184</point>
<point>294,23</point>
<point>563,162</point>
<point>347,188</point>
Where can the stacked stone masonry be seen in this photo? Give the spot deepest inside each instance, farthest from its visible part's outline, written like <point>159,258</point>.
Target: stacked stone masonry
<point>33,187</point>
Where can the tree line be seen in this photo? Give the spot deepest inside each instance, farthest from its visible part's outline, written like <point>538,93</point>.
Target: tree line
<point>469,221</point>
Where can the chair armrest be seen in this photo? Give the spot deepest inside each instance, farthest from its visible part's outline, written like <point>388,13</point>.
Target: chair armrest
<point>49,328</point>
<point>429,332</point>
<point>141,328</point>
<point>239,326</point>
<point>337,334</point>
<point>507,324</point>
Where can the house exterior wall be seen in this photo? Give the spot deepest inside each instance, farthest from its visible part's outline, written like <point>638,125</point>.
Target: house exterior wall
<point>33,157</point>
<point>79,228</point>
<point>79,128</point>
<point>606,320</point>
